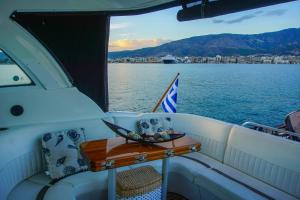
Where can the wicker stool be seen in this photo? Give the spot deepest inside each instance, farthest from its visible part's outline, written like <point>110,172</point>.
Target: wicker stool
<point>142,183</point>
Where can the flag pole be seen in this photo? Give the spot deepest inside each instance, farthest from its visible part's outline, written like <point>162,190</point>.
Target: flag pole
<point>165,93</point>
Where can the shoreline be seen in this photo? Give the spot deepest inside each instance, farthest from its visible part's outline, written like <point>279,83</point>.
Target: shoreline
<point>253,59</point>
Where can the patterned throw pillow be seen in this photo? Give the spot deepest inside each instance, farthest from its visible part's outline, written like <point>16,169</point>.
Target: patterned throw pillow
<point>154,125</point>
<point>168,125</point>
<point>62,152</point>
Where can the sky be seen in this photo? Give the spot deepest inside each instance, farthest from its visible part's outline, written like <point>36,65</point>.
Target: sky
<point>156,28</point>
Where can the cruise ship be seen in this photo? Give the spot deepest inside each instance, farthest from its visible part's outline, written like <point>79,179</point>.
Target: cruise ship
<point>169,59</point>
<point>51,96</point>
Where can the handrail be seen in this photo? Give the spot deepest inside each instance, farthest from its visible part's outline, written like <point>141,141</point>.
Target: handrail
<point>280,132</point>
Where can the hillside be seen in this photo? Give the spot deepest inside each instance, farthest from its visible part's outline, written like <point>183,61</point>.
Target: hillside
<point>284,42</point>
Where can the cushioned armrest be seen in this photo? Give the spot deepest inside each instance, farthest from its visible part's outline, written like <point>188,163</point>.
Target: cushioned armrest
<point>60,191</point>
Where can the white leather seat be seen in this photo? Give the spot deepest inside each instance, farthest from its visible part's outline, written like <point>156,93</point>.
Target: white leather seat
<point>267,158</point>
<point>264,162</point>
<point>210,184</point>
<point>261,161</point>
<point>238,152</point>
<point>225,188</point>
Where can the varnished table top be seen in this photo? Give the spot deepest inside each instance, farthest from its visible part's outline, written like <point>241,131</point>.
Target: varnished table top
<point>115,152</point>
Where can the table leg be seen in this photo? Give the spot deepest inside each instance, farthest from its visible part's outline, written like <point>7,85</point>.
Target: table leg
<point>165,173</point>
<point>111,184</point>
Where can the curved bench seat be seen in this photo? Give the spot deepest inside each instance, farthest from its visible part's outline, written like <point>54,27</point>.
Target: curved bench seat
<point>198,177</point>
<point>232,160</point>
<point>268,159</point>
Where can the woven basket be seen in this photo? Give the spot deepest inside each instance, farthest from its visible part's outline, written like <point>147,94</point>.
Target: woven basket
<point>137,181</point>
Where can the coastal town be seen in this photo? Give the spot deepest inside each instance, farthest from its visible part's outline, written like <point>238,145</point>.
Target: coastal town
<point>218,59</point>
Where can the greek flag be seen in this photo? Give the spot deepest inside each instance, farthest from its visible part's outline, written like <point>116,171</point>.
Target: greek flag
<point>170,101</point>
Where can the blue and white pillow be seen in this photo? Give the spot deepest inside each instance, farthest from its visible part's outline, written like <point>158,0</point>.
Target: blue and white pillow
<point>154,125</point>
<point>62,152</point>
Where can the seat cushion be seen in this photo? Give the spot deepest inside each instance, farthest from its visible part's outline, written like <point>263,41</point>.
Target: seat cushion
<point>186,167</point>
<point>25,190</point>
<point>29,188</point>
<point>252,183</point>
<point>84,185</point>
<point>204,174</point>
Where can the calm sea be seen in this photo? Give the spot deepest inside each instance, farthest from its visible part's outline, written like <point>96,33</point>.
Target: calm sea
<point>230,92</point>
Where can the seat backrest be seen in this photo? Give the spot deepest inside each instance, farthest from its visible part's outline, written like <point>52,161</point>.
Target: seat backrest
<point>21,156</point>
<point>212,134</point>
<point>269,158</point>
<point>292,122</point>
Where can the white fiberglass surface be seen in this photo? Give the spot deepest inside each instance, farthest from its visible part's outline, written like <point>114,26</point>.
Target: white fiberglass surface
<point>11,73</point>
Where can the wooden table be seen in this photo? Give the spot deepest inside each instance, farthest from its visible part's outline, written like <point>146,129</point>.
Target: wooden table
<point>109,154</point>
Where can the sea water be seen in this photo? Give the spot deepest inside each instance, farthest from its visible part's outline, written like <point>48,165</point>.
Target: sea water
<point>233,93</point>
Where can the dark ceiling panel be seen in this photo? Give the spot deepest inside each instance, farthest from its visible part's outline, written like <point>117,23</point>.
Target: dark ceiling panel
<point>79,42</point>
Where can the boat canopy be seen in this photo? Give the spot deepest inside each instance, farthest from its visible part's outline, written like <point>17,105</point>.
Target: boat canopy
<point>192,9</point>
<point>84,5</point>
<point>200,8</point>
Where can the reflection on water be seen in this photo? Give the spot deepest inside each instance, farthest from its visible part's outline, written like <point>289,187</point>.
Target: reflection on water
<point>233,93</point>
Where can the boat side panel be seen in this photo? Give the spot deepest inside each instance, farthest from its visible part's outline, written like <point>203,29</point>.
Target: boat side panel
<point>42,106</point>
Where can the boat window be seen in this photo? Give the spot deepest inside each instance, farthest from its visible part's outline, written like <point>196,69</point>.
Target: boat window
<point>10,73</point>
<point>238,67</point>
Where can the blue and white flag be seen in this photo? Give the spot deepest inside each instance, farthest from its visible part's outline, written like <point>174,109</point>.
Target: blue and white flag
<point>170,101</point>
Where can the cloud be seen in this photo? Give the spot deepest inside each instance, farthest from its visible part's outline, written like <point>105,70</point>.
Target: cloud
<point>127,44</point>
<point>114,26</point>
<point>217,21</point>
<point>258,12</point>
<point>278,12</point>
<point>240,19</point>
<point>126,34</point>
<point>237,20</point>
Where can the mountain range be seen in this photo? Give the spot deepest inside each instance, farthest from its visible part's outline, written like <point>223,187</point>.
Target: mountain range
<point>284,42</point>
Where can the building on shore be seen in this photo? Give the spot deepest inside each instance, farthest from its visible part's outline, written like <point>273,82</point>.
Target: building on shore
<point>218,59</point>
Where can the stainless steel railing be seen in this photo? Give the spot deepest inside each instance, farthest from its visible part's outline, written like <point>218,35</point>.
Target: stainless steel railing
<point>271,130</point>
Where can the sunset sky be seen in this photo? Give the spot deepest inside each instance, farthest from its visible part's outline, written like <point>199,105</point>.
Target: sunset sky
<point>153,29</point>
